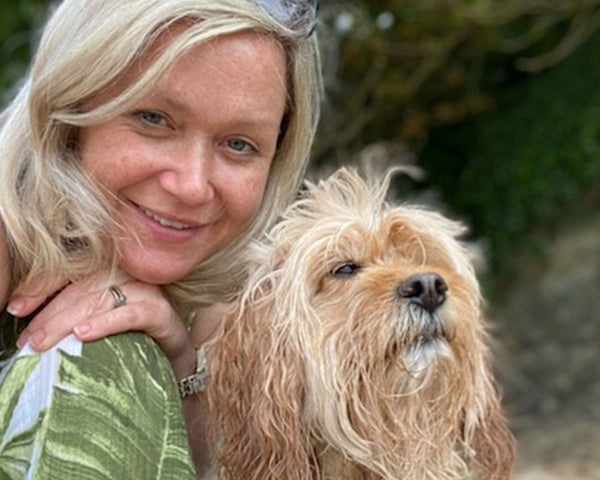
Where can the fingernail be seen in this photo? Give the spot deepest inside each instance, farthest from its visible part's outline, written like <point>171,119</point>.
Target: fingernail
<point>82,329</point>
<point>22,340</point>
<point>15,307</point>
<point>37,338</point>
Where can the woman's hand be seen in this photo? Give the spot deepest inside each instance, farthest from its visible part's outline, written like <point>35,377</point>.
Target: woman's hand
<point>87,309</point>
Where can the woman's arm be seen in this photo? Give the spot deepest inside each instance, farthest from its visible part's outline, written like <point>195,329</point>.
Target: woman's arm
<point>146,310</point>
<point>195,407</point>
<point>86,308</point>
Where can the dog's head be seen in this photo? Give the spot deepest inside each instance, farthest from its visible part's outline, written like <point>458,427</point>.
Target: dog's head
<point>361,332</point>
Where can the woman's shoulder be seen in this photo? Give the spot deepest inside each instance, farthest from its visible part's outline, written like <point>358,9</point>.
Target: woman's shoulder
<point>87,364</point>
<point>121,388</point>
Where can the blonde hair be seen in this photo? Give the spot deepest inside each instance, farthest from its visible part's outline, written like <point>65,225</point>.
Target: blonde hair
<point>56,218</point>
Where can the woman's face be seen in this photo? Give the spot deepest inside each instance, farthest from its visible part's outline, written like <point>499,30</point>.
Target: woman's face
<point>187,166</point>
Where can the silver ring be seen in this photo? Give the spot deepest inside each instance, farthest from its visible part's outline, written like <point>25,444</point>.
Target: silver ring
<point>118,295</point>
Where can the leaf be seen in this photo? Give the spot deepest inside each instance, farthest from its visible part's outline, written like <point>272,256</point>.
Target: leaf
<point>15,452</point>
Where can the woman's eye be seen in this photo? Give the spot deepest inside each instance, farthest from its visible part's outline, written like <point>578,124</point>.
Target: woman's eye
<point>346,269</point>
<point>240,145</point>
<point>151,118</point>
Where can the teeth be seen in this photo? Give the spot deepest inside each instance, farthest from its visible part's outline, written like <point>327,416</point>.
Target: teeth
<point>164,221</point>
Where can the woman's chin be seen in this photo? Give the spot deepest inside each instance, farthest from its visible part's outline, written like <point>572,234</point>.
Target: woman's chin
<point>155,272</point>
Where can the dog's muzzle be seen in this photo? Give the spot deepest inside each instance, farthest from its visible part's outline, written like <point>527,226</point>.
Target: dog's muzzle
<point>422,322</point>
<point>427,290</point>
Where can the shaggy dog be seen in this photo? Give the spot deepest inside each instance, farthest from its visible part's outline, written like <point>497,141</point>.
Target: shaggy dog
<point>358,350</point>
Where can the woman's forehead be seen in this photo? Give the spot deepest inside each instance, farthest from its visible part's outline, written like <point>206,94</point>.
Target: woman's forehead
<point>247,51</point>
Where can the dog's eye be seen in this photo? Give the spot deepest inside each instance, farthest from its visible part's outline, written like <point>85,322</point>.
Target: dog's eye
<point>348,268</point>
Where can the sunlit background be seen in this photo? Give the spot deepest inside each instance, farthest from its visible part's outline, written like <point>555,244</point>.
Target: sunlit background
<point>498,101</point>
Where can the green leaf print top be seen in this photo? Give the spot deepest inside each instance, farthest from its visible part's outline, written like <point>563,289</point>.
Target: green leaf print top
<point>102,410</point>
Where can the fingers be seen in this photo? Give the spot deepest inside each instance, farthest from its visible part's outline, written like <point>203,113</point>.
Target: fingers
<point>90,313</point>
<point>32,296</point>
<point>71,306</point>
<point>152,315</point>
<point>155,318</point>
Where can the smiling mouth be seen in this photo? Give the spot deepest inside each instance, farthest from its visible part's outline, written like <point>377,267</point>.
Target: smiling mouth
<point>163,221</point>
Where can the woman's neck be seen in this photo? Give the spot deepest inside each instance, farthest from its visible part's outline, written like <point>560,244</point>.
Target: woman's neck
<point>207,322</point>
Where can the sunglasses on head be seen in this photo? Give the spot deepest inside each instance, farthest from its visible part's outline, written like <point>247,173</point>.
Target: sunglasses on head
<point>297,15</point>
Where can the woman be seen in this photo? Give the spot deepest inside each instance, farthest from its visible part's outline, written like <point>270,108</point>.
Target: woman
<point>150,142</point>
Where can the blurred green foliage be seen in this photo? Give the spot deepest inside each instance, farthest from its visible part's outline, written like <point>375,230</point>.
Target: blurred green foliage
<point>396,68</point>
<point>494,97</point>
<point>19,21</point>
<point>533,160</point>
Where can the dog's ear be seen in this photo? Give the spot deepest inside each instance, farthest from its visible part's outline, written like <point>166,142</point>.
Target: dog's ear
<point>255,392</point>
<point>492,441</point>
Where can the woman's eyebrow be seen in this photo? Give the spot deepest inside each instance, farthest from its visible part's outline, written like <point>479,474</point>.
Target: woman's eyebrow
<point>169,99</point>
<point>255,119</point>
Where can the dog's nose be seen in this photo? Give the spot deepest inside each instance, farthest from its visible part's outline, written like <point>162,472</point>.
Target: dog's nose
<point>427,290</point>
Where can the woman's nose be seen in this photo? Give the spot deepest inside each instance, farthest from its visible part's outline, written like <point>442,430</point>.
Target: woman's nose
<point>190,175</point>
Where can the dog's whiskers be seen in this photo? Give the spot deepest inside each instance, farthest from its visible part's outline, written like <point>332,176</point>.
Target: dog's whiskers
<point>379,372</point>
<point>417,325</point>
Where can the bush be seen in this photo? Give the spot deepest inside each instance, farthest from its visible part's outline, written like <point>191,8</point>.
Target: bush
<point>531,161</point>
<point>18,23</point>
<point>395,69</point>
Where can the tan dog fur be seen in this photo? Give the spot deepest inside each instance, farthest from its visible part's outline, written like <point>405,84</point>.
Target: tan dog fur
<point>325,375</point>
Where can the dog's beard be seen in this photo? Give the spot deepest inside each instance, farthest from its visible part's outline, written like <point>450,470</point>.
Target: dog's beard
<point>392,377</point>
<point>381,384</point>
<point>326,363</point>
<point>429,340</point>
